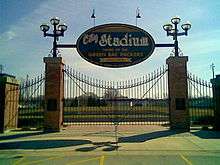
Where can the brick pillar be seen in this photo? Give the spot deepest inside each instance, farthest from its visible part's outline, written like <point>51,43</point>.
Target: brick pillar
<point>9,92</point>
<point>178,93</point>
<point>54,93</point>
<point>216,100</point>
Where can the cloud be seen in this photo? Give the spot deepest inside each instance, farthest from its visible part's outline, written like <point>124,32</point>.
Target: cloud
<point>206,43</point>
<point>7,36</point>
<point>25,43</point>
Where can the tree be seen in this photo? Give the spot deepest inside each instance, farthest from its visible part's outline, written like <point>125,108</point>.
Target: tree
<point>88,99</point>
<point>112,93</point>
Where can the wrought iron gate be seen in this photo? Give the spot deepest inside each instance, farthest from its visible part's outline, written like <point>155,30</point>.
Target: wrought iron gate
<point>140,101</point>
<point>201,106</point>
<point>31,102</point>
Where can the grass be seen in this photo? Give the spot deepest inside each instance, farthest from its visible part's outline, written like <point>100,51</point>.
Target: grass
<point>194,112</point>
<point>124,113</point>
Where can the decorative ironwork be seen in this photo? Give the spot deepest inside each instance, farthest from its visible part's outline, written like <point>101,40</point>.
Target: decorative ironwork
<point>31,102</point>
<point>140,101</point>
<point>174,31</point>
<point>180,52</point>
<point>58,53</point>
<point>200,96</point>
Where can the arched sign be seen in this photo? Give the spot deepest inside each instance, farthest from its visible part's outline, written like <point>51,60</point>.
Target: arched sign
<point>115,45</point>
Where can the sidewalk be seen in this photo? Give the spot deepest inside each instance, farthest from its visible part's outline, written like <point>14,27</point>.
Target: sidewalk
<point>135,144</point>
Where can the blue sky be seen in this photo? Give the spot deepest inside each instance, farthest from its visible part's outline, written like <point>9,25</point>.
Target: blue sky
<point>23,46</point>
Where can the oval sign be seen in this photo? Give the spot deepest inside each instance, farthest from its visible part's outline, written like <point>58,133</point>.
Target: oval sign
<point>115,45</point>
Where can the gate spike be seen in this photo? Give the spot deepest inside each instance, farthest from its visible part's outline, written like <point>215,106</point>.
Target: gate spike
<point>145,79</point>
<point>71,71</point>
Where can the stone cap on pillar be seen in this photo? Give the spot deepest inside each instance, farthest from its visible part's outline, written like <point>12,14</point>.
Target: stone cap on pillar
<point>176,59</point>
<point>54,60</point>
<point>216,80</point>
<point>8,79</point>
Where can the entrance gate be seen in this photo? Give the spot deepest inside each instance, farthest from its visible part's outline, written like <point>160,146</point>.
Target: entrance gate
<point>31,102</point>
<point>72,97</point>
<point>200,97</point>
<point>139,101</point>
<point>91,101</point>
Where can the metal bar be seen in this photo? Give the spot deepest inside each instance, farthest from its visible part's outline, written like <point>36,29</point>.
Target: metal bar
<point>194,100</point>
<point>148,94</point>
<point>68,98</point>
<point>49,35</point>
<point>74,105</point>
<point>200,96</point>
<point>164,45</point>
<point>203,97</point>
<point>181,34</point>
<point>66,45</point>
<point>144,110</point>
<point>151,97</point>
<point>159,97</point>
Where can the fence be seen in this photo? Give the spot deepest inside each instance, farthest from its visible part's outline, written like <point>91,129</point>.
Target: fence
<point>140,101</point>
<point>31,102</point>
<point>91,101</point>
<point>201,106</point>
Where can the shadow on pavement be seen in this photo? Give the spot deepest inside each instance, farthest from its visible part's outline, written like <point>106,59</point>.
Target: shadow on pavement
<point>20,135</point>
<point>108,146</point>
<point>112,146</point>
<point>105,146</point>
<point>147,136</point>
<point>42,144</point>
<point>205,134</point>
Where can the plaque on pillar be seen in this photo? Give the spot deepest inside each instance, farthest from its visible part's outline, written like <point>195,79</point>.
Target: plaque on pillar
<point>180,103</point>
<point>51,105</point>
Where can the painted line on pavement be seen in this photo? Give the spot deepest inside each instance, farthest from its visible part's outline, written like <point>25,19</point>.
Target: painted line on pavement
<point>102,160</point>
<point>83,161</point>
<point>186,160</point>
<point>37,161</point>
<point>19,161</point>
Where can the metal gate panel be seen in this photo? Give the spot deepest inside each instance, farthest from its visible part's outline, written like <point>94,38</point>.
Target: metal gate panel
<point>31,102</point>
<point>139,101</point>
<point>201,106</point>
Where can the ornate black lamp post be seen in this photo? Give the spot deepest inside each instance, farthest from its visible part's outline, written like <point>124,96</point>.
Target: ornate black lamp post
<point>138,16</point>
<point>213,70</point>
<point>173,31</point>
<point>93,17</point>
<point>58,31</point>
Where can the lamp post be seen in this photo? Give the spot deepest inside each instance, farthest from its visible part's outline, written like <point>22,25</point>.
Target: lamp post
<point>58,31</point>
<point>173,31</point>
<point>1,68</point>
<point>213,70</point>
<point>93,17</point>
<point>138,16</point>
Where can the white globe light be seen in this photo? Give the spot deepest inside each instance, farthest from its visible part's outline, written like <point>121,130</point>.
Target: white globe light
<point>44,27</point>
<point>55,21</point>
<point>175,20</point>
<point>167,27</point>
<point>186,26</point>
<point>62,27</point>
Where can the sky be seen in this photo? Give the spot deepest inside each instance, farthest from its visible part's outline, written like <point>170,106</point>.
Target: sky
<point>23,46</point>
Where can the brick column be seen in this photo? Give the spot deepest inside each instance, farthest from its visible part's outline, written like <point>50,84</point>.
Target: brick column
<point>54,93</point>
<point>178,93</point>
<point>216,100</point>
<point>9,97</point>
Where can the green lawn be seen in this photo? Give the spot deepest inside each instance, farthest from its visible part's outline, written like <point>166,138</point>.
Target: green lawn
<point>150,113</point>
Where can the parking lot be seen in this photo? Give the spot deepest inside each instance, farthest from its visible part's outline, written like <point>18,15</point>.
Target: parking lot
<point>88,145</point>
